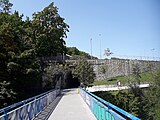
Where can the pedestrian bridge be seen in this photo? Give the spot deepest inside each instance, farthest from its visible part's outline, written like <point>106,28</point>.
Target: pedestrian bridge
<point>68,104</point>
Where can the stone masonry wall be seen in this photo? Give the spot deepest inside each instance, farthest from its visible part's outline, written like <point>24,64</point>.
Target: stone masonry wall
<point>112,68</point>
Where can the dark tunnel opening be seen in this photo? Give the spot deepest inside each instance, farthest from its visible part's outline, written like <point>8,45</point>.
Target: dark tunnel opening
<point>70,81</point>
<point>74,83</point>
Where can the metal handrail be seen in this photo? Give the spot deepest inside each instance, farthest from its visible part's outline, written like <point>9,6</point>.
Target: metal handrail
<point>28,109</point>
<point>23,102</point>
<point>111,106</point>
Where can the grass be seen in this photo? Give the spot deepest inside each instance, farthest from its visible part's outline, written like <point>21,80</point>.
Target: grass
<point>145,77</point>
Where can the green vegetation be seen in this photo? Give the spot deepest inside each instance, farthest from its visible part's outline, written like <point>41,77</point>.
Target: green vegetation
<point>121,99</point>
<point>84,72</point>
<point>24,44</point>
<point>75,53</point>
<point>145,77</point>
<point>144,103</point>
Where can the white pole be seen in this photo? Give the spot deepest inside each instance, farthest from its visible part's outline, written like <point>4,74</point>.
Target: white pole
<point>100,47</point>
<point>91,47</point>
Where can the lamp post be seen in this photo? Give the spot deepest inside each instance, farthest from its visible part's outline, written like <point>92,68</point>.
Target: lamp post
<point>100,47</point>
<point>91,47</point>
<point>152,50</point>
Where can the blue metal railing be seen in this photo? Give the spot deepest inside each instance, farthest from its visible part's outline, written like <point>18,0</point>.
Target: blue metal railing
<point>28,109</point>
<point>104,110</point>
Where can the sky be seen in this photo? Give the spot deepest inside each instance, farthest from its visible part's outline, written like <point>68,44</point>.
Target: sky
<point>127,27</point>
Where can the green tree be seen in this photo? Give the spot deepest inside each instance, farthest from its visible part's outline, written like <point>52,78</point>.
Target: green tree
<point>49,31</point>
<point>84,71</point>
<point>22,43</point>
<point>8,49</point>
<point>153,95</point>
<point>103,69</point>
<point>19,65</point>
<point>136,72</point>
<point>75,53</point>
<point>5,6</point>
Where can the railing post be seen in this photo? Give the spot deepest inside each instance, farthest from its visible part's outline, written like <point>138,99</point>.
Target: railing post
<point>5,115</point>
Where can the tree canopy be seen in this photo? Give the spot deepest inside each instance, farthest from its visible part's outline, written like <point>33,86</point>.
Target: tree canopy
<point>75,53</point>
<point>49,31</point>
<point>22,43</point>
<point>84,71</point>
<point>5,6</point>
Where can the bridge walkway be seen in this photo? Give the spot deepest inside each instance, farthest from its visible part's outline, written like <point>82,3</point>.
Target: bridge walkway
<point>71,107</point>
<point>47,111</point>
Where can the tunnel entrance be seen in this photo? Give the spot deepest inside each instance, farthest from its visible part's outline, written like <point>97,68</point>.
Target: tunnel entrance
<point>74,83</point>
<point>70,81</point>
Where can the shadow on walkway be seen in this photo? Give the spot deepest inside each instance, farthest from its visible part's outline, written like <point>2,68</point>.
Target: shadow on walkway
<point>47,111</point>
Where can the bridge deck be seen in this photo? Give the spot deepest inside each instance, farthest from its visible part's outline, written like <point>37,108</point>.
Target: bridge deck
<point>71,107</point>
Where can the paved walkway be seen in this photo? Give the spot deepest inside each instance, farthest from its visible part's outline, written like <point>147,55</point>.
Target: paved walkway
<point>71,107</point>
<point>47,111</point>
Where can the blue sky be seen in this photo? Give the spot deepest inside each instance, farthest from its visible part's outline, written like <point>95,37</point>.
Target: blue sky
<point>126,27</point>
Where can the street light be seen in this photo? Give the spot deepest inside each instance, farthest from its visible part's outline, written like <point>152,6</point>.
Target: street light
<point>91,47</point>
<point>100,47</point>
<point>152,50</point>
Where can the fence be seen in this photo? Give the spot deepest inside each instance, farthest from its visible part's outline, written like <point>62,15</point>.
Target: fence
<point>28,109</point>
<point>115,87</point>
<point>104,110</point>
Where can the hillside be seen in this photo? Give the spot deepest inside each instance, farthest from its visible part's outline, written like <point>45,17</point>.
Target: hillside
<point>74,52</point>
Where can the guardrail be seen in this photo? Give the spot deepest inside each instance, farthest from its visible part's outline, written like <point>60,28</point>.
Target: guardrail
<point>28,109</point>
<point>114,87</point>
<point>104,110</point>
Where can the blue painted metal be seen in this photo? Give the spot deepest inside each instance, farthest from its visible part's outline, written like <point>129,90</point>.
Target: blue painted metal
<point>104,110</point>
<point>28,109</point>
